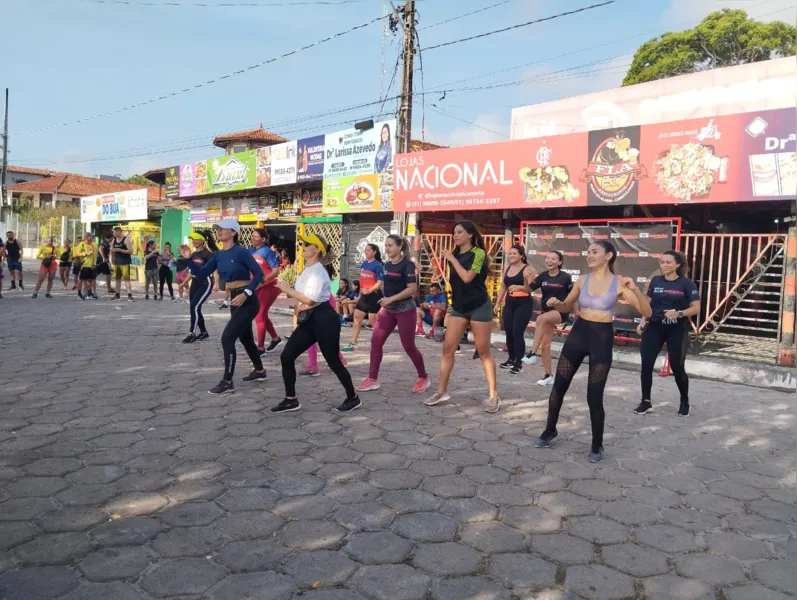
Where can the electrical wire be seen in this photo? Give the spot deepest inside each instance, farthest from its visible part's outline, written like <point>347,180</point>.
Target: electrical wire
<point>435,108</point>
<point>223,4</point>
<point>467,14</point>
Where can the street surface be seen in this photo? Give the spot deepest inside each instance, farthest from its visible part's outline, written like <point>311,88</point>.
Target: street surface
<point>121,478</point>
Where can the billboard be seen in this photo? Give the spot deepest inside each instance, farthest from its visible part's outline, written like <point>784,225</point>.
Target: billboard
<point>117,206</point>
<point>231,173</point>
<point>310,159</point>
<point>172,183</point>
<point>283,164</point>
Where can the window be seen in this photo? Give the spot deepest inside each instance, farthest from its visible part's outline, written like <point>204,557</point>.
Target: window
<point>238,148</point>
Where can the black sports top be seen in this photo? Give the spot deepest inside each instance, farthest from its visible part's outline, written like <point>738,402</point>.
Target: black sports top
<point>120,258</point>
<point>517,279</point>
<point>553,286</point>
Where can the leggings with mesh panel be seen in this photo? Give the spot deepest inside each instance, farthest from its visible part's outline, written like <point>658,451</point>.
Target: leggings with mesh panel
<point>676,335</point>
<point>587,338</point>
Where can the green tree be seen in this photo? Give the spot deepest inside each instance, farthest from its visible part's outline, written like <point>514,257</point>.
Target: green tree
<point>139,180</point>
<point>723,39</point>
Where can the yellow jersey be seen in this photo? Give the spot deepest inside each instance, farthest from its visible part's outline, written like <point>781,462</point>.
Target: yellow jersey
<point>88,252</point>
<point>46,252</point>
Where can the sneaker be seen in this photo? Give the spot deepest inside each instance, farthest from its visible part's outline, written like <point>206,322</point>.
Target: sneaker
<point>431,334</point>
<point>34,295</point>
<point>458,350</point>
<point>596,455</point>
<point>420,333</point>
<point>544,441</point>
<point>547,380</point>
<point>130,297</point>
<point>683,410</point>
<point>224,305</point>
<point>203,336</point>
<point>368,385</point>
<point>507,364</point>
<point>116,296</point>
<point>255,376</point>
<point>261,351</point>
<point>48,295</point>
<point>493,404</point>
<point>310,373</point>
<point>14,286</point>
<point>530,359</point>
<point>345,324</point>
<point>273,345</point>
<point>287,405</point>
<point>349,405</point>
<point>475,355</point>
<point>222,387</point>
<point>146,297</point>
<point>436,399</point>
<point>421,385</point>
<point>189,339</point>
<point>644,407</point>
<point>21,287</point>
<point>349,348</point>
<point>517,368</point>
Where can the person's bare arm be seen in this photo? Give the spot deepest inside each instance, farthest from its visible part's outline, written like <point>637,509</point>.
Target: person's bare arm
<point>631,294</point>
<point>572,297</point>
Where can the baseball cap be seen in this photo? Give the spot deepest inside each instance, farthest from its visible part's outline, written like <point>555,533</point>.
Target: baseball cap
<point>315,240</point>
<point>228,224</point>
<point>196,236</point>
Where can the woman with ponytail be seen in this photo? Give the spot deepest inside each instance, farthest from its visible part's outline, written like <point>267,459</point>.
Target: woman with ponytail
<point>673,299</point>
<point>372,276</point>
<point>398,310</point>
<point>204,246</point>
<point>515,287</point>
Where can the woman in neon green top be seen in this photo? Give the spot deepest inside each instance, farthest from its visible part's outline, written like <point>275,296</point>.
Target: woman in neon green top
<point>48,254</point>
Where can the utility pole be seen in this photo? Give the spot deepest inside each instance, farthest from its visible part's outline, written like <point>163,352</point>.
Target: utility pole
<point>4,170</point>
<point>405,108</point>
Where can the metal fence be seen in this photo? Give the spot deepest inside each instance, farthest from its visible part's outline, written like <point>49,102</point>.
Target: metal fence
<point>33,234</point>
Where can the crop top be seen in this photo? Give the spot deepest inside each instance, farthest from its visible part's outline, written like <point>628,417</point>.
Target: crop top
<point>607,303</point>
<point>516,279</point>
<point>233,264</point>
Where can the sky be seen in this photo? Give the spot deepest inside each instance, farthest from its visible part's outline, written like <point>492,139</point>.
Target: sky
<point>72,60</point>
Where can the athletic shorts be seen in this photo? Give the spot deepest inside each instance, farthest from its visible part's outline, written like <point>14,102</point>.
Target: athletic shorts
<point>482,314</point>
<point>369,303</point>
<point>75,268</point>
<point>121,272</point>
<point>564,317</point>
<point>64,265</point>
<point>14,266</point>
<point>181,276</point>
<point>88,274</point>
<point>53,268</point>
<point>428,316</point>
<point>103,269</point>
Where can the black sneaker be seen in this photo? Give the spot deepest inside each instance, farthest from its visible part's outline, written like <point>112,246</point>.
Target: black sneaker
<point>350,404</point>
<point>517,368</point>
<point>34,295</point>
<point>146,297</point>
<point>130,297</point>
<point>14,286</point>
<point>48,295</point>
<point>544,441</point>
<point>644,407</point>
<point>273,345</point>
<point>683,410</point>
<point>596,455</point>
<point>22,287</point>
<point>224,305</point>
<point>202,336</point>
<point>458,350</point>
<point>222,387</point>
<point>287,405</point>
<point>507,364</point>
<point>116,296</point>
<point>475,355</point>
<point>255,376</point>
<point>189,339</point>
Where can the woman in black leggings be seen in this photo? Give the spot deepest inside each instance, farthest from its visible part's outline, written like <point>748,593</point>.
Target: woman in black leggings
<point>673,299</point>
<point>165,275</point>
<point>592,335</point>
<point>317,322</point>
<point>242,275</point>
<point>518,308</point>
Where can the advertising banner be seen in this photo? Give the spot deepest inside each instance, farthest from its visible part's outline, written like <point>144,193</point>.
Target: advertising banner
<point>213,213</point>
<point>246,209</point>
<point>263,162</point>
<point>198,211</point>
<point>614,167</point>
<point>283,164</point>
<point>358,169</point>
<point>172,183</point>
<point>310,159</point>
<point>189,175</point>
<point>231,173</point>
<point>289,205</point>
<point>312,201</point>
<point>639,247</point>
<point>267,207</point>
<point>119,206</point>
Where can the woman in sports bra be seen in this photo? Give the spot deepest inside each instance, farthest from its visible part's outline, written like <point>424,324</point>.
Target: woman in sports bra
<point>592,335</point>
<point>515,287</point>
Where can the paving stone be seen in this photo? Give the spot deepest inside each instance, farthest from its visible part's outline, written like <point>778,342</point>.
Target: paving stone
<point>753,591</point>
<point>596,489</point>
<point>190,515</point>
<point>97,474</point>
<point>653,496</point>
<point>447,559</point>
<point>36,486</point>
<point>531,519</point>
<point>395,479</point>
<point>522,571</point>
<point>468,588</point>
<point>352,493</point>
<point>264,586</point>
<point>25,509</point>
<point>645,466</point>
<point>105,591</point>
<point>305,507</point>
<point>408,501</point>
<point>188,541</point>
<point>714,503</point>
<point>312,535</point>
<point>298,485</point>
<point>40,583</point>
<point>630,513</point>
<point>13,533</point>
<point>432,468</point>
<point>251,555</point>
<point>774,510</point>
<point>136,504</point>
<point>467,458</point>
<point>52,549</point>
<point>182,576</point>
<point>598,530</point>
<point>148,481</point>
<point>323,568</point>
<point>246,499</point>
<point>69,518</point>
<point>391,582</point>
<point>52,467</point>
<point>566,504</point>
<point>540,483</point>
<point>677,483</point>
<point>756,526</point>
<point>493,537</point>
<point>110,564</point>
<point>378,548</point>
<point>505,494</point>
<point>469,510</point>
<point>690,519</point>
<point>671,587</point>
<point>562,548</point>
<point>778,574</point>
<point>712,569</point>
<point>635,560</point>
<point>123,532</point>
<point>450,486</point>
<point>736,545</point>
<point>596,582</point>
<point>666,538</point>
<point>425,527</point>
<point>250,524</point>
<point>248,478</point>
<point>486,474</point>
<point>368,516</point>
<point>737,491</point>
<point>336,594</point>
<point>383,461</point>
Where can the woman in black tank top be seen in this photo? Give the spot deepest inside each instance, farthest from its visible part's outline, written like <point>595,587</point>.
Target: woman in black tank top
<point>65,262</point>
<point>518,307</point>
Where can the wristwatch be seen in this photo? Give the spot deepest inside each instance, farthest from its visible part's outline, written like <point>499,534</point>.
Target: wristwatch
<point>681,314</point>
<point>248,292</point>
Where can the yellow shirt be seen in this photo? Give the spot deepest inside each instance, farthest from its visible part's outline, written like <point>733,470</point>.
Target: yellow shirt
<point>46,252</point>
<point>88,252</point>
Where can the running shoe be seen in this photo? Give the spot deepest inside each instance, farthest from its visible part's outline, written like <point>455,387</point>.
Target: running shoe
<point>644,407</point>
<point>202,336</point>
<point>14,286</point>
<point>517,368</point>
<point>48,295</point>
<point>255,376</point>
<point>310,373</point>
<point>349,348</point>
<point>546,380</point>
<point>146,297</point>
<point>222,387</point>
<point>493,404</point>
<point>421,385</point>
<point>189,339</point>
<point>430,335</point>
<point>507,364</point>
<point>475,355</point>
<point>116,296</point>
<point>683,410</point>
<point>369,385</point>
<point>261,351</point>
<point>420,333</point>
<point>436,399</point>
<point>458,350</point>
<point>34,295</point>
<point>530,359</point>
<point>273,345</point>
<point>21,287</point>
<point>130,297</point>
<point>287,405</point>
<point>349,405</point>
<point>544,441</point>
<point>224,305</point>
<point>345,324</point>
<point>596,454</point>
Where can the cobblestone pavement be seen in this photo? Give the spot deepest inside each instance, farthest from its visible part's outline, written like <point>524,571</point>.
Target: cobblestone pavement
<point>121,478</point>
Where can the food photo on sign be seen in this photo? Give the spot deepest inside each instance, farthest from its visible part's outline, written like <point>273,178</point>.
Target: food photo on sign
<point>263,163</point>
<point>614,167</point>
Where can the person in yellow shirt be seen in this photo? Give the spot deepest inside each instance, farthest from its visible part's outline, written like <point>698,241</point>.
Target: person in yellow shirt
<point>65,262</point>
<point>87,251</point>
<point>48,254</point>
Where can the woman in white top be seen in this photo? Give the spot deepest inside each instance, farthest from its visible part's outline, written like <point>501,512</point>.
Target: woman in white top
<point>317,323</point>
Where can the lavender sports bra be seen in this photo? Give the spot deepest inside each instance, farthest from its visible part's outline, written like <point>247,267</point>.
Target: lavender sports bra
<point>605,304</point>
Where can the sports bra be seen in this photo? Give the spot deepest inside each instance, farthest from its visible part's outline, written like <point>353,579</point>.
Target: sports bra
<point>607,303</point>
<point>517,279</point>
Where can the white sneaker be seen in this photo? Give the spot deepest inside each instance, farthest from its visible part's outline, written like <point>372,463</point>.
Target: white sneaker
<point>530,359</point>
<point>547,380</point>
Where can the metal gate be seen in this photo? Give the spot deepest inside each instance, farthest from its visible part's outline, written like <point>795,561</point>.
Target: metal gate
<point>356,235</point>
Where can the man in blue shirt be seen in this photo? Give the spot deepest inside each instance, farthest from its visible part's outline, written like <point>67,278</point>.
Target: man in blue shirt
<point>432,310</point>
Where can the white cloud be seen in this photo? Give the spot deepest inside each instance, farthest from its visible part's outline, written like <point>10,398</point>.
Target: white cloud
<point>682,14</point>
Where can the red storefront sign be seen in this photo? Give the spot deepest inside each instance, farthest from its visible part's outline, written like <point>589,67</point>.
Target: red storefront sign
<point>749,156</point>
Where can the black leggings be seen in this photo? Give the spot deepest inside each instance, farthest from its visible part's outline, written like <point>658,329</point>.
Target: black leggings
<point>587,338</point>
<point>165,275</point>
<point>676,336</point>
<point>517,314</point>
<point>239,327</point>
<point>199,292</point>
<point>322,327</point>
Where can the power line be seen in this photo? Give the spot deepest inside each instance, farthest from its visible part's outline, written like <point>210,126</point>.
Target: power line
<point>467,14</point>
<point>223,4</point>
<point>439,110</point>
<point>519,25</point>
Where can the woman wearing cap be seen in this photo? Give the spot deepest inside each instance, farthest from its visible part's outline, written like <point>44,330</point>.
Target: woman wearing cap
<point>242,275</point>
<point>317,322</point>
<point>201,287</point>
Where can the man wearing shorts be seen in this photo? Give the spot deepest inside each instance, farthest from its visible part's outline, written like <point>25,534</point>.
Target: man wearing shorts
<point>104,262</point>
<point>432,310</point>
<point>87,251</point>
<point>122,254</point>
<point>14,260</point>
